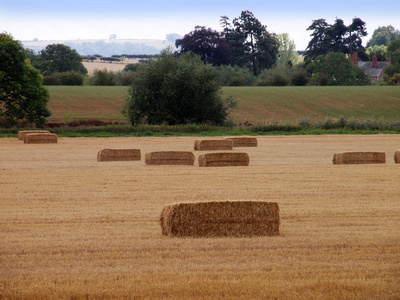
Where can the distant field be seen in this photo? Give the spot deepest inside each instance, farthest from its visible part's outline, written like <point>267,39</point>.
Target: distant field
<point>255,104</point>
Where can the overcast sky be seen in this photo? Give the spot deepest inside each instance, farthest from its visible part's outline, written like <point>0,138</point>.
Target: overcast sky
<point>154,19</point>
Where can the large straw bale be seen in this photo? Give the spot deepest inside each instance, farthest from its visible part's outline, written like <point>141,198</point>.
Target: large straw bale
<point>224,159</point>
<point>220,144</point>
<point>221,218</point>
<point>22,133</point>
<point>118,154</point>
<point>169,158</point>
<point>359,158</point>
<point>243,141</point>
<point>41,138</point>
<point>397,157</point>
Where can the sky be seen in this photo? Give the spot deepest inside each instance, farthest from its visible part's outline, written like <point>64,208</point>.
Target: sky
<point>26,20</point>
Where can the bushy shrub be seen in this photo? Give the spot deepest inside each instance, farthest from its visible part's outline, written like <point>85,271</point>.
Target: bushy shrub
<point>65,78</point>
<point>102,78</point>
<point>71,78</point>
<point>299,77</point>
<point>277,76</point>
<point>235,76</point>
<point>53,79</point>
<point>177,90</point>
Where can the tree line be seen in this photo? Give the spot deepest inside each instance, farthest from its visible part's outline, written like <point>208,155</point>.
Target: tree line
<point>163,88</point>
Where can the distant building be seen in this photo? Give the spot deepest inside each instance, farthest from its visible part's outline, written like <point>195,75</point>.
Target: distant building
<point>372,68</point>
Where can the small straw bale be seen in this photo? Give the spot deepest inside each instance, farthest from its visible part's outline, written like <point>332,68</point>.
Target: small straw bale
<point>397,157</point>
<point>359,158</point>
<point>220,144</point>
<point>118,154</point>
<point>221,218</point>
<point>22,133</point>
<point>41,138</point>
<point>243,141</point>
<point>169,158</point>
<point>224,159</point>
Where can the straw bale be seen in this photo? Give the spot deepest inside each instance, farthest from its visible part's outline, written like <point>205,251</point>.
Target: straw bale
<point>359,158</point>
<point>220,144</point>
<point>397,157</point>
<point>169,158</point>
<point>224,159</point>
<point>22,133</point>
<point>118,154</point>
<point>221,218</point>
<point>243,141</point>
<point>40,138</point>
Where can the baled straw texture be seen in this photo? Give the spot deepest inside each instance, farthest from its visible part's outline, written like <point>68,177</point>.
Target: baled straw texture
<point>397,157</point>
<point>169,158</point>
<point>118,154</point>
<point>22,133</point>
<point>359,158</point>
<point>221,218</point>
<point>224,159</point>
<point>41,138</point>
<point>243,141</point>
<point>221,144</point>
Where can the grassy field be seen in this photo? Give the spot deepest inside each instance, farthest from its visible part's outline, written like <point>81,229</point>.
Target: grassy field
<point>79,228</point>
<point>256,105</point>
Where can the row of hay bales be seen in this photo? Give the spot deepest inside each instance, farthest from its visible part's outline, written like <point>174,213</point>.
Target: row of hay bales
<point>216,159</point>
<point>347,158</point>
<point>37,137</point>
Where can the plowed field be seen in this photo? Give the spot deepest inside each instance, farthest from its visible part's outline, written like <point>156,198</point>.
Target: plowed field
<point>72,227</point>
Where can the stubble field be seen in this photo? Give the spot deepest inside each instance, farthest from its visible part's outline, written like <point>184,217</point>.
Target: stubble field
<point>72,227</point>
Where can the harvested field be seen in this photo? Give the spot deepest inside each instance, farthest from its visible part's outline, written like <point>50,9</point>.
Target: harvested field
<point>209,145</point>
<point>83,229</point>
<point>351,158</point>
<point>220,218</point>
<point>243,141</point>
<point>224,159</point>
<point>169,158</point>
<point>118,154</point>
<point>40,138</point>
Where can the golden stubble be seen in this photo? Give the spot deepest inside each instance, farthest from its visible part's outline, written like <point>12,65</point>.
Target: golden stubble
<point>72,227</point>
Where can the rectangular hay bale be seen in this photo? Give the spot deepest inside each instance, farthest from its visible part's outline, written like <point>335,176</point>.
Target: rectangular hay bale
<point>221,218</point>
<point>118,154</point>
<point>169,158</point>
<point>22,133</point>
<point>243,141</point>
<point>41,138</point>
<point>220,144</point>
<point>359,158</point>
<point>397,157</point>
<point>224,159</point>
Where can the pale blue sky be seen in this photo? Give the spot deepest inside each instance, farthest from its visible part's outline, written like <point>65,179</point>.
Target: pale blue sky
<point>154,19</point>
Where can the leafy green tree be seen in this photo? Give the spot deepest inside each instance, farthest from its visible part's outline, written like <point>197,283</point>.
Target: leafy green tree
<point>378,51</point>
<point>287,51</point>
<point>208,43</point>
<point>336,69</point>
<point>383,35</point>
<point>23,99</point>
<point>251,44</point>
<point>393,52</point>
<point>176,90</point>
<point>59,58</point>
<point>336,38</point>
